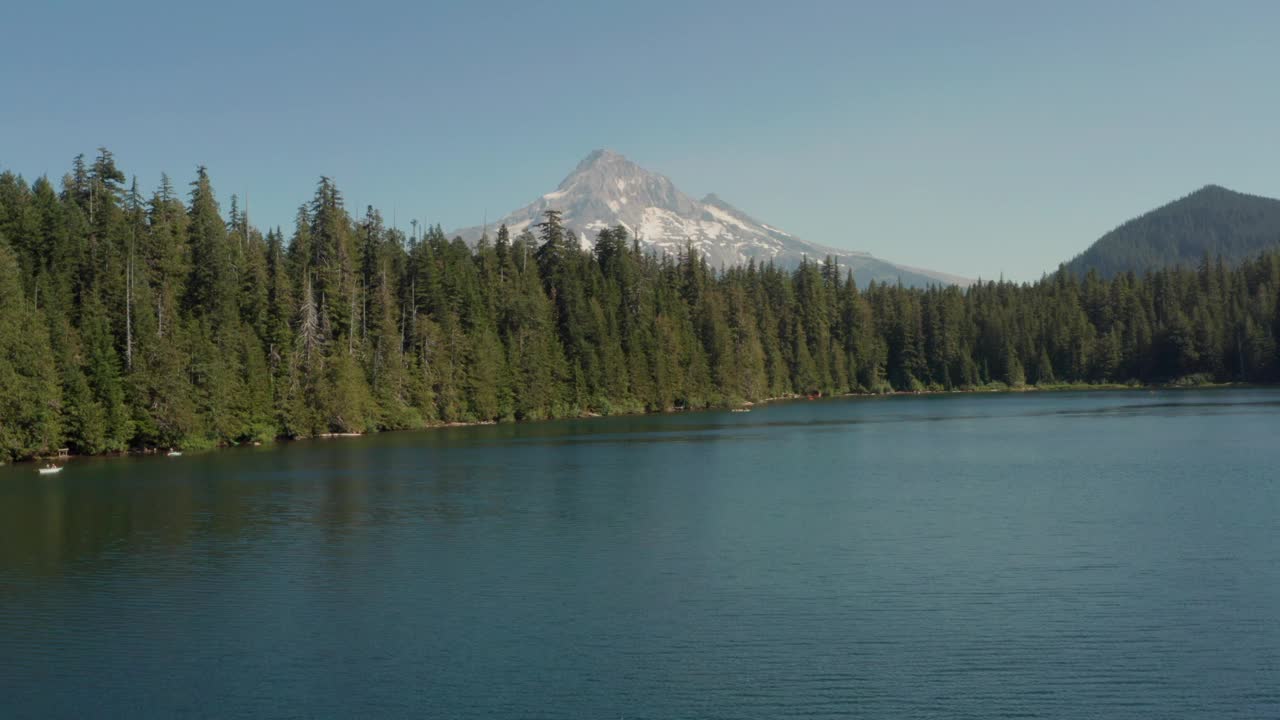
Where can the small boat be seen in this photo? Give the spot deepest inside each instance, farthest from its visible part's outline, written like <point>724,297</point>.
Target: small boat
<point>740,410</point>
<point>50,469</point>
<point>174,453</point>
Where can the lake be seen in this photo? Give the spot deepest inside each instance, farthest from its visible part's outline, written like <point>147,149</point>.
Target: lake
<point>1098,554</point>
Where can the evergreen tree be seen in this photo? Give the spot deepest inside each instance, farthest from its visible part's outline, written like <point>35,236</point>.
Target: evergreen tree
<point>30,399</point>
<point>136,323</point>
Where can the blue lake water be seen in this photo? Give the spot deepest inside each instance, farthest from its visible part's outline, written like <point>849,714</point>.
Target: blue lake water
<point>1105,554</point>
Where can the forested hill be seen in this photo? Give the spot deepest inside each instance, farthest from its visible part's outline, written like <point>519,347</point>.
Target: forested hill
<point>1212,221</point>
<point>134,321</point>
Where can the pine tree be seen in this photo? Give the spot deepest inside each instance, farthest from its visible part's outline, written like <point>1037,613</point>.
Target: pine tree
<point>132,323</point>
<point>30,398</point>
<point>211,290</point>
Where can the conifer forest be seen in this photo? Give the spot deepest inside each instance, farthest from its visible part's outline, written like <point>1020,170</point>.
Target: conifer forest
<point>134,319</point>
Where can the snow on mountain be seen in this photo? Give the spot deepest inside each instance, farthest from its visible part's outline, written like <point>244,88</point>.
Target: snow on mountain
<point>606,190</point>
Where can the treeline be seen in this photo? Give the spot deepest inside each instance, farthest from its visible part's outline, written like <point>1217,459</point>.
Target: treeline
<point>132,321</point>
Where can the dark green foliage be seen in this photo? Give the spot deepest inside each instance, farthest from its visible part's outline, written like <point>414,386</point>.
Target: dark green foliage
<point>132,323</point>
<point>30,398</point>
<point>1212,221</point>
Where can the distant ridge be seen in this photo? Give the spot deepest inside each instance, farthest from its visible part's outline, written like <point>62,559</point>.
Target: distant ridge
<point>606,189</point>
<point>1213,220</point>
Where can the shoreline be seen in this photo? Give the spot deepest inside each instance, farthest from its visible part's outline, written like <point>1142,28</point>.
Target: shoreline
<point>744,405</point>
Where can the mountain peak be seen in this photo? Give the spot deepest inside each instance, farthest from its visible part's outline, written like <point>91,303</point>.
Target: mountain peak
<point>607,190</point>
<point>1216,197</point>
<point>1212,190</point>
<point>600,157</point>
<point>1214,220</point>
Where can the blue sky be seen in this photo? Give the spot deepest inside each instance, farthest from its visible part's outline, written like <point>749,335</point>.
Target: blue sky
<point>977,138</point>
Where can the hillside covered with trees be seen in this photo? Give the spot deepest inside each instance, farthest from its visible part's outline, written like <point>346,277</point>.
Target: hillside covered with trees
<point>1211,221</point>
<point>132,320</point>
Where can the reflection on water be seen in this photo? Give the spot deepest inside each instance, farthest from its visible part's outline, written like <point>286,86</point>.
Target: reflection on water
<point>948,556</point>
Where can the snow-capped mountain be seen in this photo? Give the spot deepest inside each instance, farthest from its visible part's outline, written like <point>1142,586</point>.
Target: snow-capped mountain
<point>606,190</point>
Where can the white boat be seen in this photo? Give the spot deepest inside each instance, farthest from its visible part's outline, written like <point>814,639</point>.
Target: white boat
<point>50,470</point>
<point>174,453</point>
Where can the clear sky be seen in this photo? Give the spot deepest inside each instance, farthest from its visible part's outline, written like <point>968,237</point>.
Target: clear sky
<point>976,138</point>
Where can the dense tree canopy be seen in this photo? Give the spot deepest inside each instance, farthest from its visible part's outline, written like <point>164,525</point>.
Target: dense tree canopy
<point>133,322</point>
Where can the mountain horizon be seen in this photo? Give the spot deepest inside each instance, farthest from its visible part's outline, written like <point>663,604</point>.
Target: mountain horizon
<point>1212,220</point>
<point>606,189</point>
